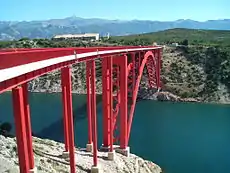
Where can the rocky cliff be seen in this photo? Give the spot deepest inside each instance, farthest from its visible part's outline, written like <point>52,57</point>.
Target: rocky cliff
<point>48,159</point>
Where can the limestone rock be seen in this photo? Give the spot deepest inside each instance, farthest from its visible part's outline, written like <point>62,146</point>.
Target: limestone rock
<point>48,159</point>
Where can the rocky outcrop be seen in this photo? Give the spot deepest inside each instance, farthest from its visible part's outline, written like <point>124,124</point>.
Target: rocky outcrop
<point>167,96</point>
<point>48,159</point>
<point>153,94</point>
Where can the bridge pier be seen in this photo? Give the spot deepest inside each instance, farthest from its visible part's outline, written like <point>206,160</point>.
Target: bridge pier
<point>28,128</point>
<point>23,128</point>
<point>124,151</point>
<point>107,103</point>
<point>95,169</point>
<point>89,146</point>
<point>108,118</point>
<point>124,102</point>
<point>92,113</point>
<point>68,116</point>
<point>65,112</point>
<point>159,67</point>
<point>33,170</point>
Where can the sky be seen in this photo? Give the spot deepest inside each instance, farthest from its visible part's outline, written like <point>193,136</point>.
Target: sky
<point>161,10</point>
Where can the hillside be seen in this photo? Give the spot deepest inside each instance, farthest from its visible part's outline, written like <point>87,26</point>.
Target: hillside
<point>10,30</point>
<point>194,37</point>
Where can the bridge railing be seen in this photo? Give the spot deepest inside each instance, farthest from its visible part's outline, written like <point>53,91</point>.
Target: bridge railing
<point>12,58</point>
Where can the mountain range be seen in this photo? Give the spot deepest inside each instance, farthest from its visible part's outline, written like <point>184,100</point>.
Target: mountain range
<point>10,30</point>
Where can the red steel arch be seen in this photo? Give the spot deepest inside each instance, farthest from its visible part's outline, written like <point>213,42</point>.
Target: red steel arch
<point>151,59</point>
<point>122,70</point>
<point>121,80</point>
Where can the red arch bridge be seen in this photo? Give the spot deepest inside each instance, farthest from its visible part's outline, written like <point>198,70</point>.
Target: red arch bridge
<point>122,69</point>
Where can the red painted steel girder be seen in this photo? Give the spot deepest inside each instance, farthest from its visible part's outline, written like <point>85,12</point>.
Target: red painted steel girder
<point>89,103</point>
<point>11,59</point>
<point>107,102</point>
<point>69,106</point>
<point>94,111</point>
<point>28,126</point>
<point>11,83</point>
<point>91,107</point>
<point>8,59</point>
<point>64,85</point>
<point>20,125</point>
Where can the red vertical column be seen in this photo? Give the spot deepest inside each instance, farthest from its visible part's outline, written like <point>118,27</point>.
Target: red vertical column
<point>110,98</point>
<point>20,125</point>
<point>158,53</point>
<point>65,113</point>
<point>106,114</point>
<point>94,113</point>
<point>88,84</point>
<point>67,73</point>
<point>133,71</point>
<point>140,59</point>
<point>124,102</point>
<point>159,66</point>
<point>28,126</point>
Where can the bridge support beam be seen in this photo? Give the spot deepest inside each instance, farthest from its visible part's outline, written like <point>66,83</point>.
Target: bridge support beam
<point>124,102</point>
<point>20,125</point>
<point>158,67</point>
<point>66,73</point>
<point>94,112</point>
<point>65,112</point>
<point>108,119</point>
<point>107,103</point>
<point>28,127</point>
<point>89,146</point>
<point>120,82</point>
<point>91,102</point>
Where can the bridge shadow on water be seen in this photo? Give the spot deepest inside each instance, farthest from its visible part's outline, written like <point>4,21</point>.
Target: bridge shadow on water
<point>55,130</point>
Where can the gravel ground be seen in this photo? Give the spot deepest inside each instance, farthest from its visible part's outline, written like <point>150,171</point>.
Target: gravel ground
<point>48,159</point>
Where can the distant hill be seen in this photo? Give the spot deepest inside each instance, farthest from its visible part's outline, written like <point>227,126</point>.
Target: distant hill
<point>10,30</point>
<point>194,36</point>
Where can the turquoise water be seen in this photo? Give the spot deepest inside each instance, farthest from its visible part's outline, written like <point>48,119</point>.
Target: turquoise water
<point>180,137</point>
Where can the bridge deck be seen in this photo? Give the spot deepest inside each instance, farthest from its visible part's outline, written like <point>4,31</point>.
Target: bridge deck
<point>17,70</point>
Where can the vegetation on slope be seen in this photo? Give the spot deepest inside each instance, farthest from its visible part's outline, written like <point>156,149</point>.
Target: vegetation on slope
<point>194,36</point>
<point>47,43</point>
<point>199,68</point>
<point>197,72</point>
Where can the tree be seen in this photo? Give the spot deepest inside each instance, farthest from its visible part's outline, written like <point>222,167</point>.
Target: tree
<point>5,129</point>
<point>185,42</point>
<point>6,126</point>
<point>24,39</point>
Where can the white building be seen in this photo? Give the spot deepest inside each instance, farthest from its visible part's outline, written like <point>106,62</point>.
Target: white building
<point>175,44</point>
<point>86,36</point>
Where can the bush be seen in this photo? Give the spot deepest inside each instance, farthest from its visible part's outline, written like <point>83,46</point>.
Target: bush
<point>5,129</point>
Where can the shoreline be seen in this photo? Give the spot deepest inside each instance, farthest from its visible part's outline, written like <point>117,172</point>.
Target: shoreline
<point>143,94</point>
